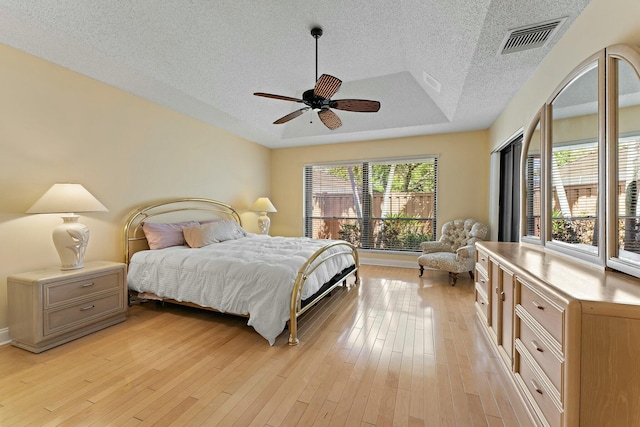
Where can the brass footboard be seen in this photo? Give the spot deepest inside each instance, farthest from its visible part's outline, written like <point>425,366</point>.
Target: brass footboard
<point>308,268</point>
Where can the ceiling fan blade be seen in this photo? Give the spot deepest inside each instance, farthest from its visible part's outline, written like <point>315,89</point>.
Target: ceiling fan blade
<point>327,86</point>
<point>330,119</point>
<point>358,105</point>
<point>290,116</point>
<point>284,98</point>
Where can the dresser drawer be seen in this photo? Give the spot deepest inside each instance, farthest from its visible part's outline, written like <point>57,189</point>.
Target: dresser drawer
<point>542,354</point>
<point>540,396</point>
<point>482,259</point>
<point>548,314</point>
<point>481,281</point>
<point>82,313</point>
<point>62,292</point>
<point>482,305</point>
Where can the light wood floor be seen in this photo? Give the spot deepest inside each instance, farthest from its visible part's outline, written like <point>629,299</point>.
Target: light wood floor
<point>396,350</point>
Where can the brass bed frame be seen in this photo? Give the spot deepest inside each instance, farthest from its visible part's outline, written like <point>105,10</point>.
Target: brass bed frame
<point>202,209</point>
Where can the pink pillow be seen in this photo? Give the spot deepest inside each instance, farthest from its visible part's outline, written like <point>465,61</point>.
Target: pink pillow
<point>161,235</point>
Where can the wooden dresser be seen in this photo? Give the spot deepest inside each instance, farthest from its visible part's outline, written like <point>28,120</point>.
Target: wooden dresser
<point>52,306</point>
<point>567,333</point>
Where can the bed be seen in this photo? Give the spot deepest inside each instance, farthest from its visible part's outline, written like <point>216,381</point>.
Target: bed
<point>193,251</point>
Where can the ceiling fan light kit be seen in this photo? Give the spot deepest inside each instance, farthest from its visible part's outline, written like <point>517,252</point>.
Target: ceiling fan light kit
<point>319,98</point>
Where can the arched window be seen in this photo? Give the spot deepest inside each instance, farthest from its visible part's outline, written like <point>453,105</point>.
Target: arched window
<point>581,164</point>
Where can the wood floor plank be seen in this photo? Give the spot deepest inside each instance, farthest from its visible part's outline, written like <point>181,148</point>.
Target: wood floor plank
<point>395,350</point>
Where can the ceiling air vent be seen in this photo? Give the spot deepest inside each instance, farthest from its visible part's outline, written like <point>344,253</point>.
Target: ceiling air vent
<point>529,37</point>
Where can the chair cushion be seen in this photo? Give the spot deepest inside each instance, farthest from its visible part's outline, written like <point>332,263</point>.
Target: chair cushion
<point>446,261</point>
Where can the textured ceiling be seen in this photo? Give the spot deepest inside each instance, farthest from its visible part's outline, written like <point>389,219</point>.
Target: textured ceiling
<point>206,58</point>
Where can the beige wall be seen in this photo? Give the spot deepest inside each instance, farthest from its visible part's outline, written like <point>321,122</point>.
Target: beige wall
<point>59,126</point>
<point>602,23</point>
<point>463,173</point>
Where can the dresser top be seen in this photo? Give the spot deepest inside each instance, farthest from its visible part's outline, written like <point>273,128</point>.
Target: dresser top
<point>567,277</point>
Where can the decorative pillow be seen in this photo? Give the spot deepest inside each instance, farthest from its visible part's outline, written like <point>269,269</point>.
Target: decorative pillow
<point>160,235</point>
<point>212,232</point>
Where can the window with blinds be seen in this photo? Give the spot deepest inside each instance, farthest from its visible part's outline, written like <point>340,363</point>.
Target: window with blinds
<point>583,157</point>
<point>574,168</point>
<point>574,194</point>
<point>381,205</point>
<point>628,154</point>
<point>532,178</point>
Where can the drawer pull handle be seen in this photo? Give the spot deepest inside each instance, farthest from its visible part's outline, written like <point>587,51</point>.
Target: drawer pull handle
<point>536,346</point>
<point>502,295</point>
<point>86,285</point>
<point>483,259</point>
<point>89,307</point>
<point>538,305</point>
<point>536,387</point>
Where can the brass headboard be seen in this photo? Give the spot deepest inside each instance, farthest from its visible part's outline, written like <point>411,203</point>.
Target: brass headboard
<point>174,210</point>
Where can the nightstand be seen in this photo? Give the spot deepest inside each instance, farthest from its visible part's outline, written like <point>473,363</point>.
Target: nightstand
<point>51,307</point>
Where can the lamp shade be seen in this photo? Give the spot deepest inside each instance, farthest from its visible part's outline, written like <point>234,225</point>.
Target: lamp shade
<point>70,237</point>
<point>61,198</point>
<point>263,204</point>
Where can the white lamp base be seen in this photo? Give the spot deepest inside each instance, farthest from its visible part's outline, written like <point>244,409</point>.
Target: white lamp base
<point>71,239</point>
<point>263,223</point>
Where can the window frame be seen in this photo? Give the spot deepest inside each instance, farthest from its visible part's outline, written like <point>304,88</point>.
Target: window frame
<point>367,209</point>
<point>607,182</point>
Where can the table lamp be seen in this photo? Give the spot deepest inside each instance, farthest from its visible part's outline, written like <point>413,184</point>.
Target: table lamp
<point>263,205</point>
<point>70,237</point>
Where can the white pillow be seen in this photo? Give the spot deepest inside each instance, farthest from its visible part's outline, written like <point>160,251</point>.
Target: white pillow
<point>212,232</point>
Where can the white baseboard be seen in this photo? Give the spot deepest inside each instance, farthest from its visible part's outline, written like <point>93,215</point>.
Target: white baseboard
<point>388,262</point>
<point>4,336</point>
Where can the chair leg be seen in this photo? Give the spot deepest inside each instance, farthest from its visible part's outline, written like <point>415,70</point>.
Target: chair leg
<point>421,270</point>
<point>454,278</point>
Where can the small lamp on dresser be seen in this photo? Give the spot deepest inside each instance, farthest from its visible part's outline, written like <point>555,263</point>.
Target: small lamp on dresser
<point>263,205</point>
<point>70,237</point>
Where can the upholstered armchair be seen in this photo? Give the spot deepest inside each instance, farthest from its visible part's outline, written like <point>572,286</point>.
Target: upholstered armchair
<point>455,251</point>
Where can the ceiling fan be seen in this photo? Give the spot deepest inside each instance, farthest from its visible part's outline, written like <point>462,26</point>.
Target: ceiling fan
<point>319,98</point>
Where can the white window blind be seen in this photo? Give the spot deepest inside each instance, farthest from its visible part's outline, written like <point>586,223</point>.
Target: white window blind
<point>574,191</point>
<point>532,183</point>
<point>381,205</point>
<point>628,158</point>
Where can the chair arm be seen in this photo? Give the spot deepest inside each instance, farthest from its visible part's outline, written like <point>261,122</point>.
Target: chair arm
<point>437,246</point>
<point>468,251</point>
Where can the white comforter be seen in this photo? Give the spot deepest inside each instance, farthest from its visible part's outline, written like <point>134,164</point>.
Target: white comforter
<point>253,275</point>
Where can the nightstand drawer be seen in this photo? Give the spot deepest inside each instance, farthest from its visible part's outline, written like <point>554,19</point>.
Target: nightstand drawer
<point>82,313</point>
<point>63,292</point>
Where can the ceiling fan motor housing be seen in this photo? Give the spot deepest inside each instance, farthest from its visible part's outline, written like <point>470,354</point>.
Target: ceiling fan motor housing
<point>313,101</point>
